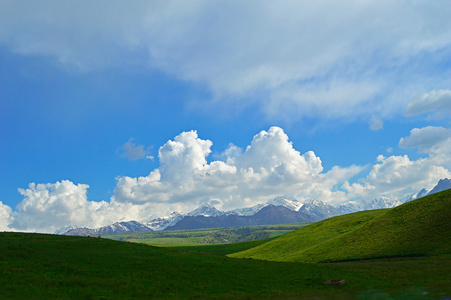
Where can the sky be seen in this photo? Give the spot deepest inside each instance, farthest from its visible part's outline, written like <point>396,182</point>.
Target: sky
<point>116,111</point>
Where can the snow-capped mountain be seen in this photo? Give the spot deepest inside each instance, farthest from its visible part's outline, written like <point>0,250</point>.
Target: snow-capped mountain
<point>288,202</point>
<point>349,207</point>
<point>381,202</point>
<point>65,229</point>
<point>319,210</point>
<point>118,227</point>
<point>121,227</point>
<point>418,195</point>
<point>164,222</point>
<point>275,210</point>
<point>206,210</point>
<point>442,185</point>
<point>285,201</point>
<point>247,211</point>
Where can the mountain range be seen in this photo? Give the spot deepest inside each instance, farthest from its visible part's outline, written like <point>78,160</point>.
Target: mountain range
<point>279,210</point>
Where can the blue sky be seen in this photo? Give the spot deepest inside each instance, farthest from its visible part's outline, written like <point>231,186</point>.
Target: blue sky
<point>131,111</point>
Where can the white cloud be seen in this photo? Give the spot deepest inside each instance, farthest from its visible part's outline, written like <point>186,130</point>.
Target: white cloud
<point>48,207</point>
<point>437,102</point>
<point>5,217</point>
<point>430,139</point>
<point>300,58</point>
<point>376,123</point>
<point>398,176</point>
<point>134,152</point>
<point>269,166</point>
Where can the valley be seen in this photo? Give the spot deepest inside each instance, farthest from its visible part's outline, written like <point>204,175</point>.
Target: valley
<point>206,236</point>
<point>398,253</point>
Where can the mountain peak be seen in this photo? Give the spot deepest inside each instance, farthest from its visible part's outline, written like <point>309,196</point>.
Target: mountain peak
<point>207,210</point>
<point>442,185</point>
<point>286,201</point>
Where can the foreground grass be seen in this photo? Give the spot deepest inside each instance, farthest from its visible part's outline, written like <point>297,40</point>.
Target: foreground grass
<point>52,267</point>
<point>417,228</point>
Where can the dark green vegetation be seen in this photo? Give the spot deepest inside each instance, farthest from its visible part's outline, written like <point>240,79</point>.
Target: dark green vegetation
<point>417,228</point>
<point>206,236</point>
<point>223,249</point>
<point>49,267</point>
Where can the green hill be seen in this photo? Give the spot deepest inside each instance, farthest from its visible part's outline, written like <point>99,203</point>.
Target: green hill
<point>418,228</point>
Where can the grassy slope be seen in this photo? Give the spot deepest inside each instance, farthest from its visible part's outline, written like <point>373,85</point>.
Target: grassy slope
<point>417,228</point>
<point>50,267</point>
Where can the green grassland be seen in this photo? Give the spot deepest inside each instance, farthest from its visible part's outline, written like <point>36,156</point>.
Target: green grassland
<point>417,228</point>
<point>223,249</point>
<point>54,267</point>
<point>169,238</point>
<point>405,251</point>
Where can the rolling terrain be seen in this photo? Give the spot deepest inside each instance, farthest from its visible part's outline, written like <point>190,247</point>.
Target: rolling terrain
<point>398,253</point>
<point>420,227</point>
<point>42,266</point>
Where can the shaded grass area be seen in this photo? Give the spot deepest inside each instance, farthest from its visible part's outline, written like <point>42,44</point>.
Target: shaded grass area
<point>52,267</point>
<point>207,236</point>
<point>223,249</point>
<point>417,228</point>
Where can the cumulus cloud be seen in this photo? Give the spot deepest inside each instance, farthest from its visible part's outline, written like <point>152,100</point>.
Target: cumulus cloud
<point>268,167</point>
<point>437,102</point>
<point>48,207</point>
<point>134,152</point>
<point>302,56</point>
<point>398,176</point>
<point>5,217</point>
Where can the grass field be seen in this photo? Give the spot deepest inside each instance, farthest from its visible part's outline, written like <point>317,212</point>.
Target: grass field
<point>51,267</point>
<point>206,236</point>
<point>415,236</point>
<point>417,228</point>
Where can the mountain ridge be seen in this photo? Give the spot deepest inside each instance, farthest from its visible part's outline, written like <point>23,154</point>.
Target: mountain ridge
<point>210,217</point>
<point>418,228</point>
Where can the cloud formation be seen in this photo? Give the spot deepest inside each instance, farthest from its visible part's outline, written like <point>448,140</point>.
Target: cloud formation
<point>5,217</point>
<point>297,58</point>
<point>376,123</point>
<point>397,177</point>
<point>436,102</point>
<point>134,152</point>
<point>268,167</point>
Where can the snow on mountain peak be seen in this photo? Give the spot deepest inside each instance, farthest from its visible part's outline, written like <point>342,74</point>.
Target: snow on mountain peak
<point>381,202</point>
<point>288,202</point>
<point>206,210</point>
<point>66,228</point>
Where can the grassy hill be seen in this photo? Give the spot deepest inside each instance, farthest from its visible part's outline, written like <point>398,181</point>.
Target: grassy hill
<point>42,266</point>
<point>36,266</point>
<point>418,228</point>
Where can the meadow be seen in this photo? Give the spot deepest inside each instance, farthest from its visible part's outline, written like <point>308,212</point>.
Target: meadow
<point>417,228</point>
<point>168,238</point>
<point>411,263</point>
